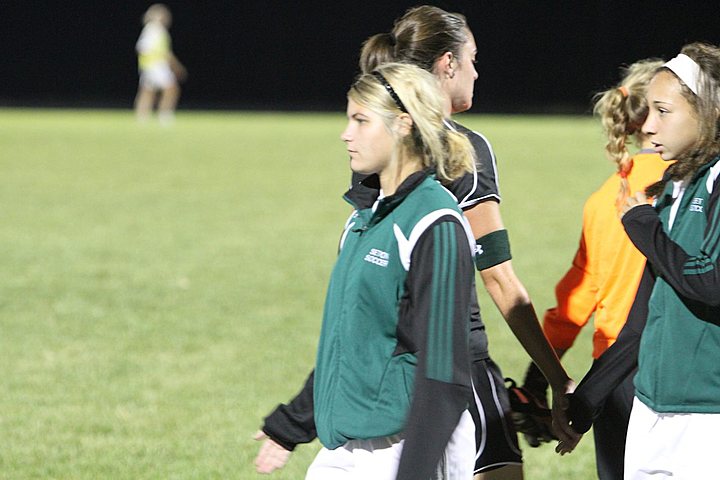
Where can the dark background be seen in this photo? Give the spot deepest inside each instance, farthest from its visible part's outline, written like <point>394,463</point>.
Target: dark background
<point>533,56</point>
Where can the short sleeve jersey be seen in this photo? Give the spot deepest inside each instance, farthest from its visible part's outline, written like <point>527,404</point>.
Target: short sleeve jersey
<point>481,184</point>
<point>475,187</point>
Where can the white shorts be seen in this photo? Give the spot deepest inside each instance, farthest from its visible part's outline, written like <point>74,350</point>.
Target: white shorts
<point>158,77</point>
<point>677,446</point>
<point>379,458</point>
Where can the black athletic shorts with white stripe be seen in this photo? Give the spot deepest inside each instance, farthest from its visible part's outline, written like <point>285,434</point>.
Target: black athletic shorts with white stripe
<point>496,442</point>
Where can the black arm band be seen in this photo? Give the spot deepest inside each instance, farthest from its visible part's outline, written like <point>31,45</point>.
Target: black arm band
<point>492,249</point>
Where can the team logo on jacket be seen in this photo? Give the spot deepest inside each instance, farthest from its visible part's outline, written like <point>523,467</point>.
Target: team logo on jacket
<point>696,205</point>
<point>378,257</point>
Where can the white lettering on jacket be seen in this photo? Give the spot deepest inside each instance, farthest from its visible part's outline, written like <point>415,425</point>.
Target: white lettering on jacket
<point>378,257</point>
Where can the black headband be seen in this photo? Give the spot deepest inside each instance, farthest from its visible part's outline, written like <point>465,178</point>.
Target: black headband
<point>390,90</point>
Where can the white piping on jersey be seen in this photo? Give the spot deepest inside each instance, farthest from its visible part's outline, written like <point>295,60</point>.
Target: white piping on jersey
<point>381,195</point>
<point>346,229</point>
<point>494,166</point>
<point>493,466</point>
<point>498,405</point>
<point>464,203</point>
<point>446,190</point>
<point>479,449</point>
<point>714,172</point>
<point>349,225</point>
<point>406,245</point>
<point>678,192</point>
<point>345,234</point>
<point>475,201</point>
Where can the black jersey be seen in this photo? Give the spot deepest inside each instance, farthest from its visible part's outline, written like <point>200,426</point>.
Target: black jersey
<point>481,184</point>
<point>475,187</point>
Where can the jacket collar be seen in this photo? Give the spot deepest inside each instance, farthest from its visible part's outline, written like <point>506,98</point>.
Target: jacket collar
<point>365,193</point>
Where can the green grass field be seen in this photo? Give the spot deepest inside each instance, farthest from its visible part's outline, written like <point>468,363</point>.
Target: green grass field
<point>161,289</point>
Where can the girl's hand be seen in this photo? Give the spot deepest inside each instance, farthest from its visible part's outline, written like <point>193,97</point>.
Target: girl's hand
<point>271,456</point>
<point>638,199</point>
<point>568,438</point>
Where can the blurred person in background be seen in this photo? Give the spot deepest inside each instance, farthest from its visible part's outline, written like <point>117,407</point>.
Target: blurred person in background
<point>160,71</point>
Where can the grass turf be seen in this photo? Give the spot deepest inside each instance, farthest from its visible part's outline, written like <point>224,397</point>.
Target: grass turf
<point>161,288</point>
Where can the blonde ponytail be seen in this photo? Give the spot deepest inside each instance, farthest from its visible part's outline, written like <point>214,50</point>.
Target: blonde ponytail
<point>622,111</point>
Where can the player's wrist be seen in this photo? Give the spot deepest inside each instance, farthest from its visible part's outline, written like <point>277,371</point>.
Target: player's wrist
<point>284,443</point>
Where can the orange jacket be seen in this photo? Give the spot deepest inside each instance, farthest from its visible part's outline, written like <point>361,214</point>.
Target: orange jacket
<point>606,270</point>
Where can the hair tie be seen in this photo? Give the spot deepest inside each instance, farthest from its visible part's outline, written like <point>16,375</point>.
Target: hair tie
<point>624,172</point>
<point>623,89</point>
<point>390,90</point>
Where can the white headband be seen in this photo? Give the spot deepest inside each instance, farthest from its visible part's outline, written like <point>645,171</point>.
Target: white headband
<point>687,70</point>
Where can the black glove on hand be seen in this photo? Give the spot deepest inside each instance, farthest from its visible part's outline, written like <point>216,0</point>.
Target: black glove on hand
<point>530,412</point>
<point>535,383</point>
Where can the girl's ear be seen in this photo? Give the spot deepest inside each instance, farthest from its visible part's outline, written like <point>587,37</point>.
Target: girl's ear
<point>403,124</point>
<point>445,66</point>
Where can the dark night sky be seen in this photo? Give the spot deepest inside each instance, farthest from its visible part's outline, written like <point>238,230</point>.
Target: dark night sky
<point>534,56</point>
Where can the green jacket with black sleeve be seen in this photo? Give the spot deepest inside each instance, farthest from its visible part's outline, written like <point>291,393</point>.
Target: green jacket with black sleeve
<point>673,330</point>
<point>393,354</point>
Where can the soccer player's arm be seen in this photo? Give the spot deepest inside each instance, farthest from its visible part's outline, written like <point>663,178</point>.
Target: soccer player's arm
<point>576,300</point>
<point>510,296</point>
<point>615,364</point>
<point>438,285</point>
<point>696,278</point>
<point>494,262</point>
<point>576,297</point>
<point>293,423</point>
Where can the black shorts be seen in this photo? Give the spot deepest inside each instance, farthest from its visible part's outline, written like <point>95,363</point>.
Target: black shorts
<point>496,441</point>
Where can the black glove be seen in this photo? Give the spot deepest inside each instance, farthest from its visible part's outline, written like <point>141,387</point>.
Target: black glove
<point>535,383</point>
<point>530,413</point>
